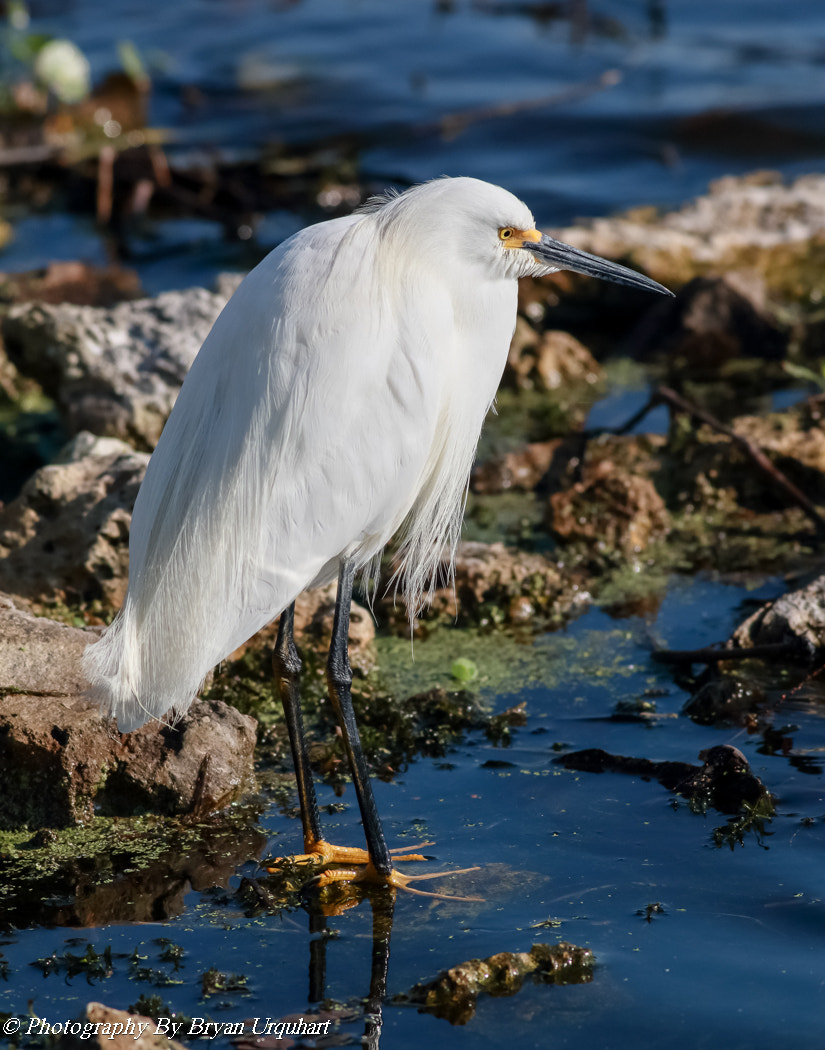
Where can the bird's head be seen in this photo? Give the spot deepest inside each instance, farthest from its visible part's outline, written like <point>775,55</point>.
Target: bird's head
<point>490,227</point>
<point>540,254</point>
<point>530,253</point>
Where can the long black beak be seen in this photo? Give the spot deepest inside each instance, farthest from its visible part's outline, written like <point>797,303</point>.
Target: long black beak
<point>566,257</point>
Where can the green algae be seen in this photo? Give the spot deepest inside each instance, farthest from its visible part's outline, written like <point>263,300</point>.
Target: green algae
<point>93,965</point>
<point>625,374</point>
<point>636,582</point>
<point>514,517</point>
<point>55,872</point>
<point>507,661</point>
<point>45,851</point>
<point>535,415</point>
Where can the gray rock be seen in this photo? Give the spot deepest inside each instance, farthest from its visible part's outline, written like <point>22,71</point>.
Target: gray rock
<point>66,536</point>
<point>114,371</point>
<point>800,615</point>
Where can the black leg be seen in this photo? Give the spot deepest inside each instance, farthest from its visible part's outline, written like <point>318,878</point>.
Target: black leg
<point>339,680</point>
<point>286,664</point>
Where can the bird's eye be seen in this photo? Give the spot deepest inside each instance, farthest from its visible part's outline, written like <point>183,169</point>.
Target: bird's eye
<point>505,233</point>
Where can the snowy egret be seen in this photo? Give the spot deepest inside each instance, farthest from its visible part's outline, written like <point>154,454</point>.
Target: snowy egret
<point>337,401</point>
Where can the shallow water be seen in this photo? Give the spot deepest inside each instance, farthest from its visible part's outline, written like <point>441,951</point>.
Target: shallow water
<point>733,958</point>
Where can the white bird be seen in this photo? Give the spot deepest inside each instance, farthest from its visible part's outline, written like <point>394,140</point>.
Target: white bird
<point>336,402</point>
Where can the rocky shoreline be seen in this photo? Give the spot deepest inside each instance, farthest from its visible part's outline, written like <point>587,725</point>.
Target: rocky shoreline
<point>584,517</point>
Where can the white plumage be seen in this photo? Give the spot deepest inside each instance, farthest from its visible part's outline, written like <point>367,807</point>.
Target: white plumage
<point>337,400</point>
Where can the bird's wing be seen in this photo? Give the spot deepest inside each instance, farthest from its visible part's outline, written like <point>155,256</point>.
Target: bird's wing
<point>299,435</point>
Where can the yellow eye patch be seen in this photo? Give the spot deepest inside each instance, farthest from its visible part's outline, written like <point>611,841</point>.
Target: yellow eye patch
<point>511,237</point>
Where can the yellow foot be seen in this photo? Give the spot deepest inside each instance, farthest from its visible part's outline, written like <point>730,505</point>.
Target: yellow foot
<point>395,879</point>
<point>324,853</point>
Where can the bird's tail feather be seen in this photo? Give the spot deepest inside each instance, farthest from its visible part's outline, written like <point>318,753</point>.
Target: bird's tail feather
<point>125,687</point>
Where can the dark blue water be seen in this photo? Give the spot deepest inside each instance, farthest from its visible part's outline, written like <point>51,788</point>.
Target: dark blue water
<point>733,959</point>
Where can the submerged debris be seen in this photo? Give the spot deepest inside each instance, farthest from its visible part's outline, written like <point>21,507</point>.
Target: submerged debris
<point>725,699</point>
<point>725,781</point>
<point>773,654</point>
<point>214,982</point>
<point>650,910</point>
<point>454,993</point>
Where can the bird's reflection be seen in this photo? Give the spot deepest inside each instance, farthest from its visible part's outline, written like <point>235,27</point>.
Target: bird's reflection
<point>382,903</point>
